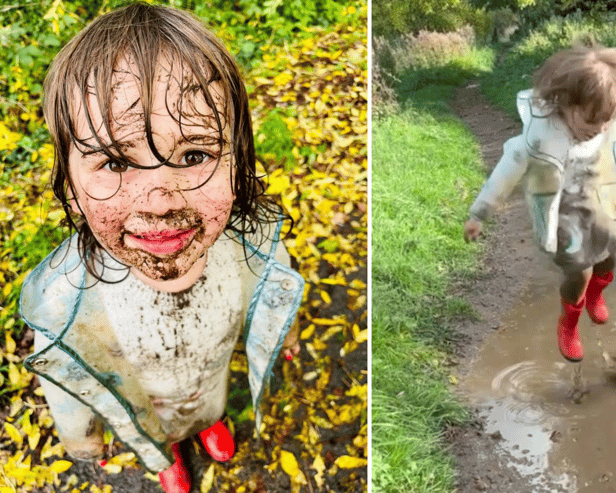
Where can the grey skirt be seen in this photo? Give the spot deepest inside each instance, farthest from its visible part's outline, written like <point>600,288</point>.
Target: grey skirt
<point>586,234</point>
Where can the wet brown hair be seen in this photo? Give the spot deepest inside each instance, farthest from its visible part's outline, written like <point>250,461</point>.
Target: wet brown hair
<point>580,76</point>
<point>142,34</point>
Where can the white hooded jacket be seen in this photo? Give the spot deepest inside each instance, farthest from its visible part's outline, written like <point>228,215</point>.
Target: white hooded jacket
<point>539,156</point>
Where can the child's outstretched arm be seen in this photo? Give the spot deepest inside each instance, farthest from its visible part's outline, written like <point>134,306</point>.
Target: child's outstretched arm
<point>506,175</point>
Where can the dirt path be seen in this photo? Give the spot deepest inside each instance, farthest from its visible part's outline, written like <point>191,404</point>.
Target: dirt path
<point>510,265</point>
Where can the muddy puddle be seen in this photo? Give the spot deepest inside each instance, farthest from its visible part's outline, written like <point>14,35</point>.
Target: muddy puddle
<point>555,421</point>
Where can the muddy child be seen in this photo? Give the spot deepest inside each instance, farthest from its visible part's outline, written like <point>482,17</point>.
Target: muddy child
<point>176,250</point>
<point>565,155</point>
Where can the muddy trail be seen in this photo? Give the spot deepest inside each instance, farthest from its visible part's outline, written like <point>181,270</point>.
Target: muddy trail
<point>541,424</point>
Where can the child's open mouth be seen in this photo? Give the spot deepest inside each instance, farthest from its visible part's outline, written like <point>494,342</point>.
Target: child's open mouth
<point>161,242</point>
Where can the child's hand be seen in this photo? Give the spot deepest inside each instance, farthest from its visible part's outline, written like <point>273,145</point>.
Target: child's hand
<point>290,346</point>
<point>472,229</point>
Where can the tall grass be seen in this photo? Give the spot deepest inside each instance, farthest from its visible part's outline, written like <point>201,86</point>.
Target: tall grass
<point>425,171</point>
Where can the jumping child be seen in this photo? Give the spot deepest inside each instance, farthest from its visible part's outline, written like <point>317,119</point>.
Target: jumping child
<point>176,249</point>
<point>565,154</point>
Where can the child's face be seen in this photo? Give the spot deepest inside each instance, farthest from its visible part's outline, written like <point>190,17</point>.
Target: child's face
<point>160,221</point>
<point>584,125</point>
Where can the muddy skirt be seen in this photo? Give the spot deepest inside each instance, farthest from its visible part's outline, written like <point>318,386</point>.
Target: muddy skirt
<point>586,234</point>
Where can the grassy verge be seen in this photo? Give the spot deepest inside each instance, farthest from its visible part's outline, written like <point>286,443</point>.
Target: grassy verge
<point>425,171</point>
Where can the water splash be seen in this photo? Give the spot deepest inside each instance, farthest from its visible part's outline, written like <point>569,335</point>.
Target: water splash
<point>580,388</point>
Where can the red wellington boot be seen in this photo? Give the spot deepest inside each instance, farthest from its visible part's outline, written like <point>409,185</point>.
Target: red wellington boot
<point>218,441</point>
<point>568,335</point>
<point>176,479</point>
<point>595,304</point>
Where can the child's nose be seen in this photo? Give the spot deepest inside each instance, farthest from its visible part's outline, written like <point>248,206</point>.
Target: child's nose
<point>164,190</point>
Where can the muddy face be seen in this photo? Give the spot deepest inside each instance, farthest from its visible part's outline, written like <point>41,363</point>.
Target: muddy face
<point>584,125</point>
<point>162,203</point>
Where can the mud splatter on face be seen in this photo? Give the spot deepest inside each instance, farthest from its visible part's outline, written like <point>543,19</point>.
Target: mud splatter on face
<point>166,197</point>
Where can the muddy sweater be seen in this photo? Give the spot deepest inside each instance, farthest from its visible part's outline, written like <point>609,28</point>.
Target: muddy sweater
<point>181,343</point>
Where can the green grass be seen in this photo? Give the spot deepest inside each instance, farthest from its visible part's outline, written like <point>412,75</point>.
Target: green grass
<point>425,172</point>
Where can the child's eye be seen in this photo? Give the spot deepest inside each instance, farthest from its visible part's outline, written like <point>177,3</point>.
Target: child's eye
<point>193,158</point>
<point>114,166</point>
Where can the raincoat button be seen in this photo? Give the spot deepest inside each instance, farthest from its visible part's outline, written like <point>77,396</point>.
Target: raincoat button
<point>286,284</point>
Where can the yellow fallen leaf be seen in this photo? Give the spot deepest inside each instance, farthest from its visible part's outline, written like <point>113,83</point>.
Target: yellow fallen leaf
<point>123,459</point>
<point>291,467</point>
<point>283,78</point>
<point>34,439</point>
<point>348,462</point>
<point>319,466</point>
<point>13,433</point>
<point>360,391</point>
<point>326,321</point>
<point>46,451</point>
<point>208,480</point>
<point>14,375</point>
<point>10,343</point>
<point>318,344</point>
<point>362,336</point>
<point>326,297</point>
<point>25,422</point>
<point>61,466</point>
<point>112,468</point>
<point>310,376</point>
<point>307,332</point>
<point>72,481</point>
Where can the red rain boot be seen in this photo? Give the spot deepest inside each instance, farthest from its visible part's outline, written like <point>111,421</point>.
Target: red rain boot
<point>218,442</point>
<point>568,335</point>
<point>176,479</point>
<point>595,304</point>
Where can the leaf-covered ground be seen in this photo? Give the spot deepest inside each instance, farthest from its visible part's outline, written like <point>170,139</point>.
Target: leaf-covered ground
<point>311,96</point>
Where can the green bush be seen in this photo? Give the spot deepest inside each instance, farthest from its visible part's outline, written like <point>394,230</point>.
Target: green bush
<point>532,13</point>
<point>483,24</point>
<point>392,17</point>
<point>426,49</point>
